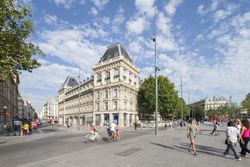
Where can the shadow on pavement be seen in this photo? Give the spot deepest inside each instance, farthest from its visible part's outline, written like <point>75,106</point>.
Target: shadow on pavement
<point>184,148</point>
<point>3,142</point>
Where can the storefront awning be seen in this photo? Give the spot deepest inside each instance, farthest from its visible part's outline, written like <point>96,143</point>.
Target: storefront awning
<point>3,113</point>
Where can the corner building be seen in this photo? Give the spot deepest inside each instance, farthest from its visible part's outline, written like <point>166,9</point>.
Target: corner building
<point>111,94</point>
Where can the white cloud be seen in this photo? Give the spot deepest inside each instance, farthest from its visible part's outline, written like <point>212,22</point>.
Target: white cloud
<point>72,47</point>
<point>105,20</point>
<point>66,3</point>
<point>145,7</point>
<point>93,11</point>
<point>170,8</point>
<point>137,26</point>
<point>118,20</point>
<point>50,19</point>
<point>100,3</point>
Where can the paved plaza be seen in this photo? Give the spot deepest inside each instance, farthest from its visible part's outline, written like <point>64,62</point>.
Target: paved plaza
<point>168,148</point>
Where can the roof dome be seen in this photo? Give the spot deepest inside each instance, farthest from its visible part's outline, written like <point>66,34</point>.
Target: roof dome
<point>113,51</point>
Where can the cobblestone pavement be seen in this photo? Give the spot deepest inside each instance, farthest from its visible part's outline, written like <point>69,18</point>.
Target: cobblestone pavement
<point>168,148</point>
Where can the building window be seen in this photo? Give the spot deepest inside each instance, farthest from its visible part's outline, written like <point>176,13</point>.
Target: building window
<point>130,77</point>
<point>124,74</point>
<point>115,105</point>
<point>106,106</point>
<point>98,95</point>
<point>99,78</point>
<point>115,92</point>
<point>135,80</point>
<point>107,76</point>
<point>125,105</point>
<point>106,94</point>
<point>116,73</point>
<point>98,107</point>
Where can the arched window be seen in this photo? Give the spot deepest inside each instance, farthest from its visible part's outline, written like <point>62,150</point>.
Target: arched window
<point>116,73</point>
<point>107,76</point>
<point>99,78</point>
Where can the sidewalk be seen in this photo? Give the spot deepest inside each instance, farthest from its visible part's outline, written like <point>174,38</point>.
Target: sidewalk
<point>168,148</point>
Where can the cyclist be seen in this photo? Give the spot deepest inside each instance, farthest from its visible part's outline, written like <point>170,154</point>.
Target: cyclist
<point>93,131</point>
<point>113,126</point>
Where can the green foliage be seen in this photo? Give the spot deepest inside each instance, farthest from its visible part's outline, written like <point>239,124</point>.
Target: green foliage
<point>168,101</point>
<point>246,102</point>
<point>199,112</point>
<point>15,30</point>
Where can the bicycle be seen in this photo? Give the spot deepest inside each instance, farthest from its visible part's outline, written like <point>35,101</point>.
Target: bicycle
<point>91,138</point>
<point>111,137</point>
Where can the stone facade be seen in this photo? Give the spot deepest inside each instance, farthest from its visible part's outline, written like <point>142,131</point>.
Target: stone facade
<point>50,109</point>
<point>8,98</point>
<point>111,94</point>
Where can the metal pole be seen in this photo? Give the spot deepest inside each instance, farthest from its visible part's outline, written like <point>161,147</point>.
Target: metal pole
<point>188,106</point>
<point>79,100</point>
<point>5,127</point>
<point>181,101</point>
<point>156,83</point>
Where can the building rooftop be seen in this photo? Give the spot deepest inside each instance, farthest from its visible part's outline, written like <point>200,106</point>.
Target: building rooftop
<point>113,51</point>
<point>70,81</point>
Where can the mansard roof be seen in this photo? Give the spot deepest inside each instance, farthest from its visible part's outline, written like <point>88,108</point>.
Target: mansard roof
<point>113,51</point>
<point>70,81</point>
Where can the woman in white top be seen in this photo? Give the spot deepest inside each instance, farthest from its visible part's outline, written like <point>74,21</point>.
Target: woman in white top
<point>238,124</point>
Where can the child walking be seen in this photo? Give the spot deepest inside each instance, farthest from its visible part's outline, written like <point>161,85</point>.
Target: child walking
<point>191,135</point>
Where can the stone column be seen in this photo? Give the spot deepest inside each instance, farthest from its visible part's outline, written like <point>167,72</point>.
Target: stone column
<point>121,121</point>
<point>127,119</point>
<point>110,118</point>
<point>94,118</point>
<point>102,119</point>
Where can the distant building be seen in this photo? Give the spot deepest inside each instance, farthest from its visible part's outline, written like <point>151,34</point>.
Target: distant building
<point>50,109</point>
<point>210,103</point>
<point>109,95</point>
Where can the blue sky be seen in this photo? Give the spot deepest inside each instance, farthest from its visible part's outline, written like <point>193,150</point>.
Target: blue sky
<point>205,41</point>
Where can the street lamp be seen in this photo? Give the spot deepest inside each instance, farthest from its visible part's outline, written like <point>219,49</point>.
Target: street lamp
<point>181,101</point>
<point>79,100</point>
<point>156,81</point>
<point>5,127</point>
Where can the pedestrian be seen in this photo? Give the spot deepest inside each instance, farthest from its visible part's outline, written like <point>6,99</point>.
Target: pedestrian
<point>181,124</point>
<point>215,124</point>
<point>170,125</point>
<point>141,125</point>
<point>135,125</point>
<point>231,134</point>
<point>22,129</point>
<point>191,129</point>
<point>238,124</point>
<point>245,134</point>
<point>26,128</point>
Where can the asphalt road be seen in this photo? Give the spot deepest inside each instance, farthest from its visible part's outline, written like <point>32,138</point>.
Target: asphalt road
<point>47,142</point>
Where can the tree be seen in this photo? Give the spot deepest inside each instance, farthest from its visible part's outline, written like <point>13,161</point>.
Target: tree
<point>168,100</point>
<point>246,102</point>
<point>199,112</point>
<point>15,30</point>
<point>233,108</point>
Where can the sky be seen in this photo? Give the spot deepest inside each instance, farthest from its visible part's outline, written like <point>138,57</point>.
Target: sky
<point>207,42</point>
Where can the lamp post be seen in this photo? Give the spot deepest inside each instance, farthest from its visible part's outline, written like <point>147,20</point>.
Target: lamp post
<point>156,80</point>
<point>5,127</point>
<point>79,100</point>
<point>181,101</point>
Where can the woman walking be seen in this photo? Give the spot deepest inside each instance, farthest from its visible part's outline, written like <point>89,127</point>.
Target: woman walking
<point>245,134</point>
<point>191,134</point>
